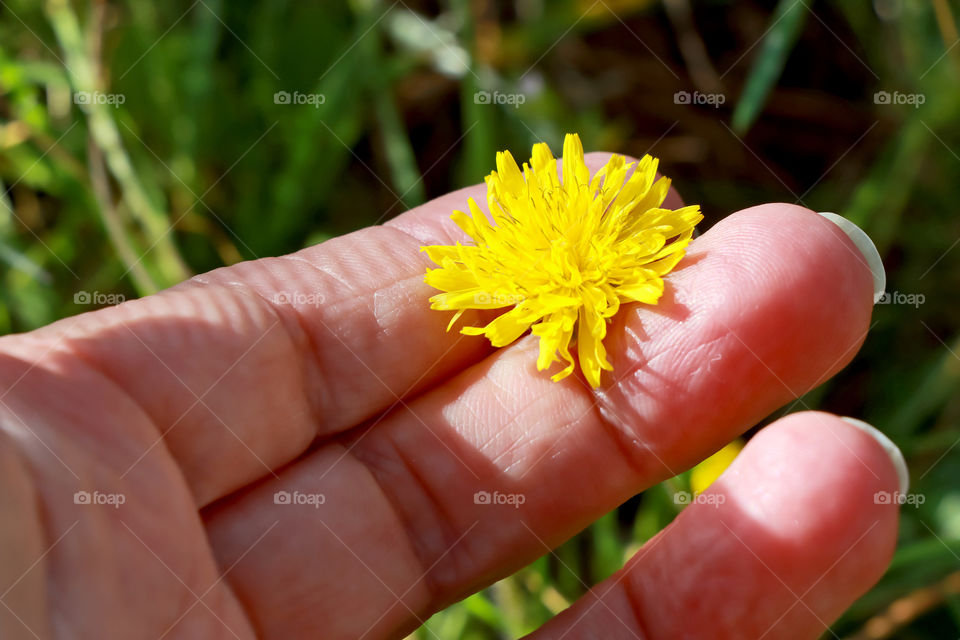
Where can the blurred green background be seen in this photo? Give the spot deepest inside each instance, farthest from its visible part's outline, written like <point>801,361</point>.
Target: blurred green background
<point>141,142</point>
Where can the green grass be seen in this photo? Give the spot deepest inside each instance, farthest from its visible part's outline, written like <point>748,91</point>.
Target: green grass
<point>199,167</point>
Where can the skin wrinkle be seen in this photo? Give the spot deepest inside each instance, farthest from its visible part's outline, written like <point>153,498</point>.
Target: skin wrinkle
<point>445,566</point>
<point>332,273</point>
<point>520,348</point>
<point>36,441</point>
<point>371,292</point>
<point>558,435</point>
<point>524,442</point>
<point>103,384</point>
<point>616,426</point>
<point>369,535</point>
<point>392,247</point>
<point>477,420</point>
<point>314,405</point>
<point>495,381</point>
<point>383,249</point>
<point>13,461</point>
<point>132,316</point>
<point>372,462</point>
<point>384,333</point>
<point>441,518</point>
<point>624,438</point>
<point>386,308</point>
<point>246,293</point>
<point>634,329</point>
<point>636,604</point>
<point>94,368</point>
<point>332,309</point>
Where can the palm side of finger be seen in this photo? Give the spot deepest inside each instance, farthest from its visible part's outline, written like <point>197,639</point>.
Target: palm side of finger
<point>118,544</point>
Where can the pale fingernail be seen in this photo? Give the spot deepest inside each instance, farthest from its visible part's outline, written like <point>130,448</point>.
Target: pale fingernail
<point>896,456</point>
<point>867,248</point>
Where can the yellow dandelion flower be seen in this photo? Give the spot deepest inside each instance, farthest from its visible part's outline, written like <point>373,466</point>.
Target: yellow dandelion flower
<point>563,252</point>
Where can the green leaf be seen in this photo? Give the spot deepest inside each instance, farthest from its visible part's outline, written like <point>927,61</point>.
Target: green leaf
<point>787,23</point>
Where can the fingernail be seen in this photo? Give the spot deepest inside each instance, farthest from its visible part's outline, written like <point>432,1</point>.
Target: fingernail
<point>892,450</point>
<point>867,248</point>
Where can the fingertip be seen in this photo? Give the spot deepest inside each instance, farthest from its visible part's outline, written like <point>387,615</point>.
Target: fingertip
<point>892,450</point>
<point>805,261</point>
<point>818,500</point>
<point>819,233</point>
<point>799,525</point>
<point>778,547</point>
<point>839,474</point>
<point>868,251</point>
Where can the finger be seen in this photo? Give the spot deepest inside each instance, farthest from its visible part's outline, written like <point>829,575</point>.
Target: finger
<point>241,368</point>
<point>779,547</point>
<point>83,532</point>
<point>768,303</point>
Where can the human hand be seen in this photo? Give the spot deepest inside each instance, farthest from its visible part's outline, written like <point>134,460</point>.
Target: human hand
<point>293,448</point>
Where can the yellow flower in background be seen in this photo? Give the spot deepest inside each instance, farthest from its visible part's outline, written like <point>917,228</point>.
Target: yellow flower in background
<point>563,253</point>
<point>705,473</point>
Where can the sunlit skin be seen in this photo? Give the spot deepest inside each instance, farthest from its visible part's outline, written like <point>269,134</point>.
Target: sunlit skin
<point>200,403</point>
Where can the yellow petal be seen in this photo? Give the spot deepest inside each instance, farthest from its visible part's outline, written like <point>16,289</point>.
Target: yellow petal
<point>505,328</point>
<point>575,171</point>
<point>564,253</point>
<point>648,292</point>
<point>705,473</point>
<point>591,330</point>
